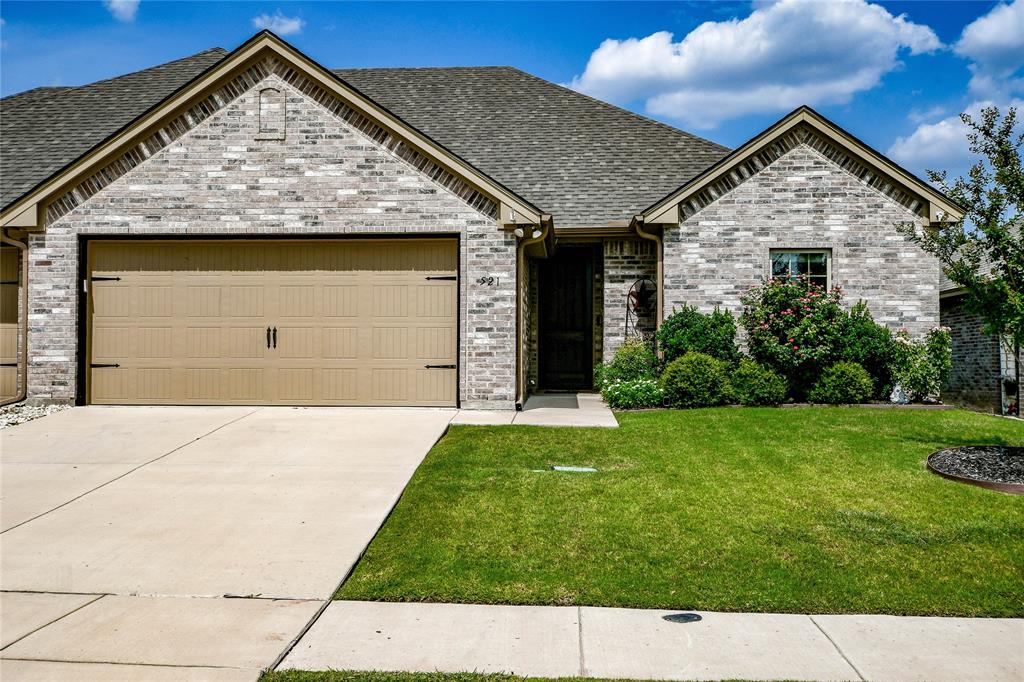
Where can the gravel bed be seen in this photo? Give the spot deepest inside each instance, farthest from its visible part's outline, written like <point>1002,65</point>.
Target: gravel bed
<point>19,413</point>
<point>989,463</point>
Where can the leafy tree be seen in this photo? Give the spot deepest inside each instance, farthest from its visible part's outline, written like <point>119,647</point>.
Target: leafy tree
<point>990,232</point>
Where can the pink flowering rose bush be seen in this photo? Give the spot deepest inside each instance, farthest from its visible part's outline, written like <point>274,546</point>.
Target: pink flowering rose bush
<point>796,328</point>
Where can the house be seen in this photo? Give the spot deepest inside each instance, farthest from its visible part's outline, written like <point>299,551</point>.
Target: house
<point>251,227</point>
<point>985,367</point>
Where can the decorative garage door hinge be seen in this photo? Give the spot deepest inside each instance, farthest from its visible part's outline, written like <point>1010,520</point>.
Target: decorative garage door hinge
<point>450,278</point>
<point>98,365</point>
<point>85,282</point>
<point>439,366</point>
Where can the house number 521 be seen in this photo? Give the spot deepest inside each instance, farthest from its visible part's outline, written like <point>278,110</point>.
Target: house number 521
<point>487,281</point>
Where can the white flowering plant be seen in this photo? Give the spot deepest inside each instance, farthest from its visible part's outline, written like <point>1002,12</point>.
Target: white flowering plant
<point>921,367</point>
<point>631,394</point>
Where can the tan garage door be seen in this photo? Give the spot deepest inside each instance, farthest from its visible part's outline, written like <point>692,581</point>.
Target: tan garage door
<point>8,322</point>
<point>343,322</point>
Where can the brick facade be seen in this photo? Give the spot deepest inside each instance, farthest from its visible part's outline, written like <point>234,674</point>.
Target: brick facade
<point>803,200</point>
<point>974,378</point>
<point>325,177</point>
<point>625,262</point>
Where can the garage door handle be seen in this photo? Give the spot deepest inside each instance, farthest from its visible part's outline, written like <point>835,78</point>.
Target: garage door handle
<point>268,337</point>
<point>439,366</point>
<point>275,337</point>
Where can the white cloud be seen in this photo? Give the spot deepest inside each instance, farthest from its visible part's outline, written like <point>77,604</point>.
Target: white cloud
<point>995,44</point>
<point>942,145</point>
<point>782,55</point>
<point>279,23</point>
<point>920,116</point>
<point>122,10</point>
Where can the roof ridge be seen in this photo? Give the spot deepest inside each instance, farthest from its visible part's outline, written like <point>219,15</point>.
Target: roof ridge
<point>423,68</point>
<point>613,107</point>
<point>218,50</point>
<point>54,88</point>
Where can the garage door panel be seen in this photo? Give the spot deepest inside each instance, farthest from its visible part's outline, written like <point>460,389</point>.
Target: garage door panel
<point>202,301</point>
<point>155,342</point>
<point>244,343</point>
<point>340,343</point>
<point>113,385</point>
<point>435,344</point>
<point>435,385</point>
<point>298,342</point>
<point>9,289</point>
<point>341,300</point>
<point>356,322</point>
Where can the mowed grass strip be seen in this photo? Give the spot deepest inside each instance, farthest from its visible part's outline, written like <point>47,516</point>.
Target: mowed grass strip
<point>816,510</point>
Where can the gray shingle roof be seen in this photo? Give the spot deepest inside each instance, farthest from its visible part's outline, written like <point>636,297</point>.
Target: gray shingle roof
<point>582,160</point>
<point>44,129</point>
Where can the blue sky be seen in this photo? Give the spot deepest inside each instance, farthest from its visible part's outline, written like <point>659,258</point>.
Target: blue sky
<point>893,73</point>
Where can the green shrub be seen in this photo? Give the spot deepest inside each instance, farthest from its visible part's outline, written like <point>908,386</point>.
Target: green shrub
<point>794,327</point>
<point>871,346</point>
<point>921,367</point>
<point>688,330</point>
<point>842,383</point>
<point>754,384</point>
<point>633,394</point>
<point>696,380</point>
<point>635,359</point>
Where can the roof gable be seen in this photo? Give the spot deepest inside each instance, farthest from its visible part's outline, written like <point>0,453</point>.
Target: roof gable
<point>209,91</point>
<point>41,130</point>
<point>804,126</point>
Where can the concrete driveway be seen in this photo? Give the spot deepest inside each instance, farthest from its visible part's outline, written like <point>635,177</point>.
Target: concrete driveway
<point>198,537</point>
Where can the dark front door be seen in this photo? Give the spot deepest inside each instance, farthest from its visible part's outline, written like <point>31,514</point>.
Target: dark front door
<point>565,330</point>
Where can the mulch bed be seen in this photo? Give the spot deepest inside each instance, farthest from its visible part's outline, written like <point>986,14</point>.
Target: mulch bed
<point>998,467</point>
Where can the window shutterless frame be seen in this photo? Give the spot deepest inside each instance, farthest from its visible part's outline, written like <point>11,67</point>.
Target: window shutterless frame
<point>798,265</point>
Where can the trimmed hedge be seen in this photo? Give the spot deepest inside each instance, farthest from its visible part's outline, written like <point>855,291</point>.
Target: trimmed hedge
<point>843,383</point>
<point>696,380</point>
<point>634,360</point>
<point>688,330</point>
<point>754,384</point>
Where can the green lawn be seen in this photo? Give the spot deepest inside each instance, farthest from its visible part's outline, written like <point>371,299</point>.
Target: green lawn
<point>821,510</point>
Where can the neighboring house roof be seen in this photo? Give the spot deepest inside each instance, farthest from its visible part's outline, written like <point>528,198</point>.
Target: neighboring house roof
<point>948,286</point>
<point>586,162</point>
<point>44,129</point>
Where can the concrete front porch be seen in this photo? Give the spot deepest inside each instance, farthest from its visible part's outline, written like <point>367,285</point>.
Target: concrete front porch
<point>568,409</point>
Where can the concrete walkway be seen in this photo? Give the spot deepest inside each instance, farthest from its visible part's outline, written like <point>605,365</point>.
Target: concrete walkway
<point>580,410</point>
<point>194,542</point>
<point>540,641</point>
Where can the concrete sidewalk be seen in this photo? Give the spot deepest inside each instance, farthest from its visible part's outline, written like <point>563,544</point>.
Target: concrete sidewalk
<point>541,641</point>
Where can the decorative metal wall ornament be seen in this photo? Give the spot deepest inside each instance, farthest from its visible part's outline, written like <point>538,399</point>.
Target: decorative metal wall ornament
<point>640,304</point>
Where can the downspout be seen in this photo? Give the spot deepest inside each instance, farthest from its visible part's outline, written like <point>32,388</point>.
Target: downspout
<point>638,224</point>
<point>23,321</point>
<point>536,236</point>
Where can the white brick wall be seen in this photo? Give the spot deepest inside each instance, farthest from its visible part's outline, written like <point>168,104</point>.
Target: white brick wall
<point>323,178</point>
<point>803,200</point>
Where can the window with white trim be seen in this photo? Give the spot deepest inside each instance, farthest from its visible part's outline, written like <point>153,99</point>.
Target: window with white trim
<point>815,265</point>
